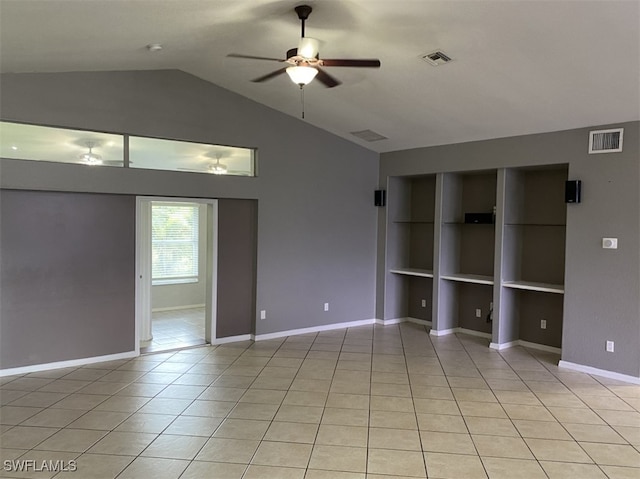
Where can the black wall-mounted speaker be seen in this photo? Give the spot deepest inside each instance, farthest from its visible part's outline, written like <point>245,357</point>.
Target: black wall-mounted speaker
<point>572,191</point>
<point>380,198</point>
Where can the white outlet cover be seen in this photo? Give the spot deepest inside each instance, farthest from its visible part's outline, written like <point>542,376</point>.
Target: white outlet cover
<point>478,313</point>
<point>543,324</point>
<point>610,243</point>
<point>263,314</point>
<point>610,346</point>
<point>424,303</point>
<point>326,306</point>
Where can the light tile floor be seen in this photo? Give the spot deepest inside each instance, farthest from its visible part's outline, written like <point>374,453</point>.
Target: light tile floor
<point>370,402</point>
<point>180,328</point>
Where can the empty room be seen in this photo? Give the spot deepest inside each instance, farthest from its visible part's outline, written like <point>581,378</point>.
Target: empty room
<point>320,240</point>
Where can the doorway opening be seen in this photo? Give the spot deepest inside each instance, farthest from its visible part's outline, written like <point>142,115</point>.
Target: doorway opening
<point>176,273</point>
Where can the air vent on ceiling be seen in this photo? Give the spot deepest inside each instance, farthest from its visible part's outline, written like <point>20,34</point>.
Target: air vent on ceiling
<point>368,135</point>
<point>605,141</point>
<point>436,58</point>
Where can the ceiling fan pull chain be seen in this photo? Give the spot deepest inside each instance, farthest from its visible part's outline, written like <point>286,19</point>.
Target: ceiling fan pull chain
<point>302,99</point>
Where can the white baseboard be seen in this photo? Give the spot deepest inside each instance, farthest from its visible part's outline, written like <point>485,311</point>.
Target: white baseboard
<point>314,329</point>
<point>71,363</point>
<point>598,372</point>
<point>540,347</point>
<point>422,322</point>
<point>389,322</point>
<point>176,308</point>
<point>525,344</point>
<point>473,332</point>
<point>443,332</point>
<point>501,346</point>
<point>233,339</point>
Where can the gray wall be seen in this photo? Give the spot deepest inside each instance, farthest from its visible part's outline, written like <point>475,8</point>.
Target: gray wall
<point>174,296</point>
<point>67,271</point>
<point>601,286</point>
<point>237,243</point>
<point>317,223</point>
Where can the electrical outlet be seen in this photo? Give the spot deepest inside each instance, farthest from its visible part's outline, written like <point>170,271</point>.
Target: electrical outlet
<point>326,306</point>
<point>610,346</point>
<point>543,324</point>
<point>263,314</point>
<point>424,303</point>
<point>478,313</point>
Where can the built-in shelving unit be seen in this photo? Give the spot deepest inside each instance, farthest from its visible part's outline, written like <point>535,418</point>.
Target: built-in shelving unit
<point>465,252</point>
<point>410,235</point>
<point>514,259</point>
<point>532,261</point>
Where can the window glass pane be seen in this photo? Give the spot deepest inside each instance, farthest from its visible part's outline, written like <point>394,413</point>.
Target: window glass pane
<point>42,143</point>
<point>174,236</point>
<point>156,154</point>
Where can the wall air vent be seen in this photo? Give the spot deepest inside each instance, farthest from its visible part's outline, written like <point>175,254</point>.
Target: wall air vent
<point>368,135</point>
<point>605,141</point>
<point>436,58</point>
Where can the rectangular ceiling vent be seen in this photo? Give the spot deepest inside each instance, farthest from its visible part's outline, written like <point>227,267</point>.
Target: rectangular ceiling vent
<point>605,141</point>
<point>436,58</point>
<point>368,135</point>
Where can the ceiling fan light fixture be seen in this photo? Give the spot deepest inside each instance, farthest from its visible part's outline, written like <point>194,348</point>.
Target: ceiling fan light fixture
<point>302,75</point>
<point>90,158</point>
<point>308,47</point>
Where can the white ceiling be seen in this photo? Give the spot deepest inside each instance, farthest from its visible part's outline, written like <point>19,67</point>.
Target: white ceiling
<point>519,66</point>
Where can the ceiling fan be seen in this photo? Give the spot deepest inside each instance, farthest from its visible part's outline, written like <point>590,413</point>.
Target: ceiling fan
<point>217,168</point>
<point>305,62</point>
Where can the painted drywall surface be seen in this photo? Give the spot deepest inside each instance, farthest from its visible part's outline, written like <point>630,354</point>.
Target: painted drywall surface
<point>236,283</point>
<point>67,276</point>
<point>601,286</point>
<point>317,222</point>
<point>175,296</point>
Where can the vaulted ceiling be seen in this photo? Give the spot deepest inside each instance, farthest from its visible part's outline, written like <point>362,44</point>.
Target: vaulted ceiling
<point>518,66</point>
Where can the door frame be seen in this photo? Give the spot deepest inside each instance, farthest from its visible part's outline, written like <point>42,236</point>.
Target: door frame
<point>143,266</point>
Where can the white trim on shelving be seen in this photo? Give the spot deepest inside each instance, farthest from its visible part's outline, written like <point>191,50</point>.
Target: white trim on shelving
<point>598,372</point>
<point>422,273</point>
<point>531,286</point>
<point>71,363</point>
<point>469,278</point>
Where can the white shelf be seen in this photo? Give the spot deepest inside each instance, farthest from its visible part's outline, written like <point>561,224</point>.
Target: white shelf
<point>424,273</point>
<point>469,278</point>
<point>531,286</point>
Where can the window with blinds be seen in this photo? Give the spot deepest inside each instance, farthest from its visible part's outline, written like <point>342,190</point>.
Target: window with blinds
<point>174,236</point>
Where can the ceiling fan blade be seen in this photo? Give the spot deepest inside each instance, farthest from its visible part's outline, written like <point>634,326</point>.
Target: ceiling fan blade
<point>368,63</point>
<point>269,76</point>
<point>253,57</point>
<point>326,79</point>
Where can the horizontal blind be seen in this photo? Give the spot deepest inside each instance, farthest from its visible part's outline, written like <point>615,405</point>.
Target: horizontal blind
<point>174,241</point>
